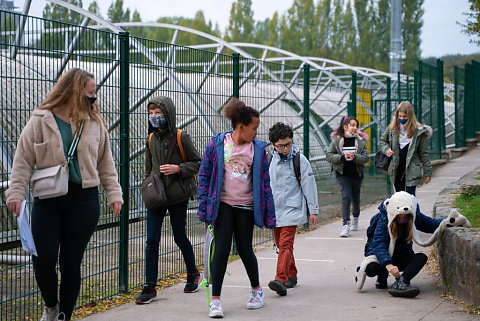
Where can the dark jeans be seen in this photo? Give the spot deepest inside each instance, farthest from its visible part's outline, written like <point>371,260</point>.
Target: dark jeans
<point>400,186</point>
<point>410,265</point>
<point>63,223</point>
<point>178,215</point>
<point>239,222</point>
<point>350,188</point>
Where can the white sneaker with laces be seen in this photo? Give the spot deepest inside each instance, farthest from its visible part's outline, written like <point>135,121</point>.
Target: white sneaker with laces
<point>255,301</point>
<point>50,314</point>
<point>215,310</point>
<point>345,231</point>
<point>354,224</point>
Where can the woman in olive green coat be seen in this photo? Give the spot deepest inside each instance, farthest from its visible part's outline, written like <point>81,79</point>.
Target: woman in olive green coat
<point>405,140</point>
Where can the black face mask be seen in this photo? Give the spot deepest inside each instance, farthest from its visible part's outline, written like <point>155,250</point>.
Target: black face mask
<point>90,100</point>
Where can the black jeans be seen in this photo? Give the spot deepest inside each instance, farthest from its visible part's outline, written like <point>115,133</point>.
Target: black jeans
<point>63,223</point>
<point>410,265</point>
<point>350,188</point>
<point>239,222</point>
<point>178,216</point>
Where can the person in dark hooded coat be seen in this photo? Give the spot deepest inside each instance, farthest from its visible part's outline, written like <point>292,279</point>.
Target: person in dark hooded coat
<point>179,181</point>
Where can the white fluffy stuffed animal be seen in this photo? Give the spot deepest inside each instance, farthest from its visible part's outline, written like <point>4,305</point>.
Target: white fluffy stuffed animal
<point>405,203</point>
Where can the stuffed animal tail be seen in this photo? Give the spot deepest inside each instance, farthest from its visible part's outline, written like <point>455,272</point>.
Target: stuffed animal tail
<point>360,275</point>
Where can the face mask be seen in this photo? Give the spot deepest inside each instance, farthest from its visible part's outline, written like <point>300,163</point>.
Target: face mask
<point>402,220</point>
<point>403,121</point>
<point>158,121</point>
<point>90,100</point>
<point>348,134</point>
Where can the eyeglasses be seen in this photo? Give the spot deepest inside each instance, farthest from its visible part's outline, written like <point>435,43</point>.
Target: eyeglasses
<point>282,146</point>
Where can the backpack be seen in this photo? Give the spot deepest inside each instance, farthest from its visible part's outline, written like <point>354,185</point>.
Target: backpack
<point>296,164</point>
<point>371,230</point>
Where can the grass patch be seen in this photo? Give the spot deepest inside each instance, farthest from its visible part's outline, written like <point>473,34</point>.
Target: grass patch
<point>469,206</point>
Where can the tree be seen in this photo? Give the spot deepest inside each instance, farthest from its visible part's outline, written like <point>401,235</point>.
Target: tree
<point>382,30</point>
<point>94,8</point>
<point>298,33</point>
<point>116,13</point>
<point>274,31</point>
<point>412,11</point>
<point>337,36</point>
<point>362,22</point>
<point>241,24</point>
<point>472,26</point>
<point>59,13</point>
<point>350,35</point>
<point>323,20</point>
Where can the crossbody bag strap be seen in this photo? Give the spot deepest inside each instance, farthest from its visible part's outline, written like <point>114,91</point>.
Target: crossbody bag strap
<point>74,144</point>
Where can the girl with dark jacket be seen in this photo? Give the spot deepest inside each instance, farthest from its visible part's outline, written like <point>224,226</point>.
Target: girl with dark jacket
<point>179,181</point>
<point>234,195</point>
<point>348,154</point>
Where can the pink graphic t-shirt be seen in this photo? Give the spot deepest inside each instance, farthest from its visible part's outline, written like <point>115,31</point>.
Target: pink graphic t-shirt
<point>237,179</point>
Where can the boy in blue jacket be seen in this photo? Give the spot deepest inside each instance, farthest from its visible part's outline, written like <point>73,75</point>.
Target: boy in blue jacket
<point>292,196</point>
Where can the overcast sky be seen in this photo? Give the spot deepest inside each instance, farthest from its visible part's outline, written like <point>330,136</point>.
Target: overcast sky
<point>440,34</point>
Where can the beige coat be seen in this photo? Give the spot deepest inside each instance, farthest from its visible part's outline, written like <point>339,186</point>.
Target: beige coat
<point>41,145</point>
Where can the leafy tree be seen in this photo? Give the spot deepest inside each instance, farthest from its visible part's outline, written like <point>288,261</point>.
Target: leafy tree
<point>382,30</point>
<point>59,13</point>
<point>350,35</point>
<point>412,11</point>
<point>362,22</point>
<point>94,8</point>
<point>274,31</point>
<point>472,26</point>
<point>116,13</point>
<point>298,34</point>
<point>338,32</point>
<point>323,20</point>
<point>241,24</point>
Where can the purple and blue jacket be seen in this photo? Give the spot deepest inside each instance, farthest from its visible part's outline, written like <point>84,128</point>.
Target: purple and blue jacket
<point>210,182</point>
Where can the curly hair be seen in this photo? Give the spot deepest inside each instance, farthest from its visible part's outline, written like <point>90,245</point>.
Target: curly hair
<point>279,131</point>
<point>237,112</point>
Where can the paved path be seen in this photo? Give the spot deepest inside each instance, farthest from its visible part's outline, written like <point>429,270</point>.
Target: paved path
<point>325,291</point>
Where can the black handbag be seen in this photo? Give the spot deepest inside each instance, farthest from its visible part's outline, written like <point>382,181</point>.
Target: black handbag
<point>382,161</point>
<point>153,188</point>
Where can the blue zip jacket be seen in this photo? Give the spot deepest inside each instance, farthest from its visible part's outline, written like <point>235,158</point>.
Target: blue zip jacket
<point>381,238</point>
<point>210,182</point>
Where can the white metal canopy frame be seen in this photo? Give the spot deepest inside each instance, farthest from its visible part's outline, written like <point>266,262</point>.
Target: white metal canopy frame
<point>325,101</point>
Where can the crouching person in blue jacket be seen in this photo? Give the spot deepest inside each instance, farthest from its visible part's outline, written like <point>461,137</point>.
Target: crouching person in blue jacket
<point>294,193</point>
<point>390,239</point>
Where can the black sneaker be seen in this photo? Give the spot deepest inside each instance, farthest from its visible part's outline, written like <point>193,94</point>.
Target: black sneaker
<point>381,282</point>
<point>192,282</point>
<point>402,288</point>
<point>278,287</point>
<point>148,295</point>
<point>291,282</point>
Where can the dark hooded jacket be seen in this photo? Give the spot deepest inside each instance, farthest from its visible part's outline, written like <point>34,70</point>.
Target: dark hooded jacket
<point>182,186</point>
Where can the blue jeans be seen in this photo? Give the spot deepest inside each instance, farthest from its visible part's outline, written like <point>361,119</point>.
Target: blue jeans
<point>178,214</point>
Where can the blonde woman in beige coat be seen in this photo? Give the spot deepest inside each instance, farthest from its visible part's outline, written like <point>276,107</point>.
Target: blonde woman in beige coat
<point>62,226</point>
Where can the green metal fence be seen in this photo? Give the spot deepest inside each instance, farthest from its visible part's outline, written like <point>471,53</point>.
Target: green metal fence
<point>459,92</point>
<point>129,71</point>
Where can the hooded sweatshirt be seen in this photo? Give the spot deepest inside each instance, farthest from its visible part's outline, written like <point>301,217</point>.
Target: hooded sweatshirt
<point>181,186</point>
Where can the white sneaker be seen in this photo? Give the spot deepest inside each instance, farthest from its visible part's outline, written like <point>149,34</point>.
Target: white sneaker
<point>354,224</point>
<point>215,310</point>
<point>345,231</point>
<point>255,301</point>
<point>50,314</point>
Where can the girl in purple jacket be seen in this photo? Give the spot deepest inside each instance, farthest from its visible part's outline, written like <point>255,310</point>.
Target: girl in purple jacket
<point>234,195</point>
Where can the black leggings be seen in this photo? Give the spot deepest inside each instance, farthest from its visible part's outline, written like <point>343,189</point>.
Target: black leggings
<point>65,223</point>
<point>231,221</point>
<point>410,264</point>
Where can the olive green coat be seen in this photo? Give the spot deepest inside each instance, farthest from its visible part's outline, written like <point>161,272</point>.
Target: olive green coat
<point>334,154</point>
<point>178,187</point>
<point>418,161</point>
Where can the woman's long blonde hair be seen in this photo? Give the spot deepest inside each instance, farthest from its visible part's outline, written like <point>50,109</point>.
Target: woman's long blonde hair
<point>70,90</point>
<point>412,123</point>
<point>394,229</point>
